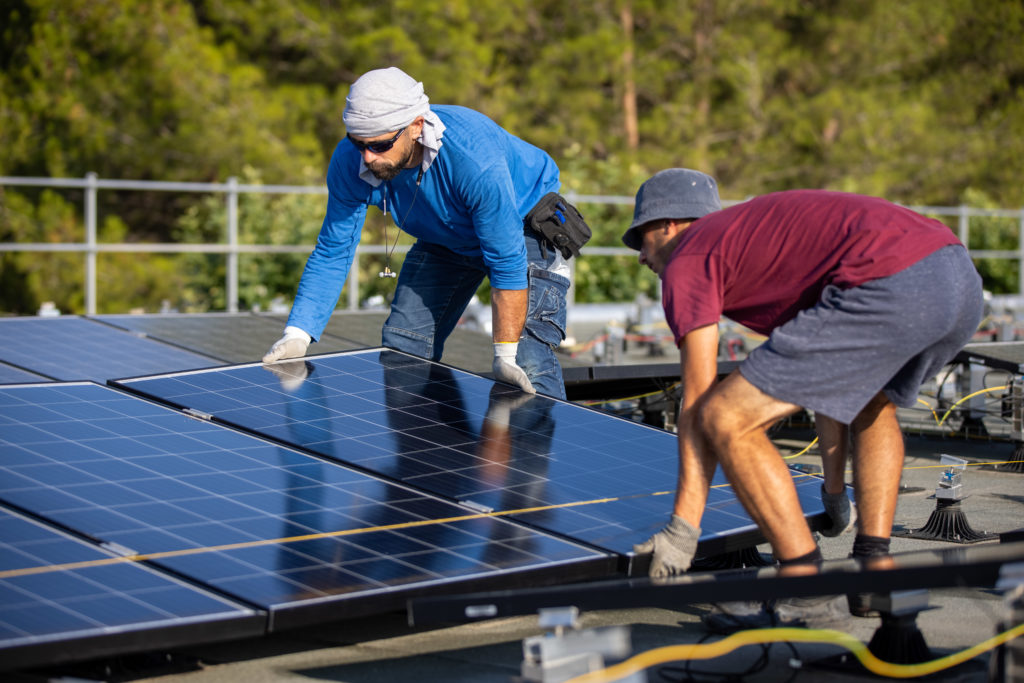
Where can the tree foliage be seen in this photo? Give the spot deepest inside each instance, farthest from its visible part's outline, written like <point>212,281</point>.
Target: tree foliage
<point>921,102</point>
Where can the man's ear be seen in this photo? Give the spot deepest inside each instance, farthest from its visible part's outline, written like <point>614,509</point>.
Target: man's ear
<point>677,225</point>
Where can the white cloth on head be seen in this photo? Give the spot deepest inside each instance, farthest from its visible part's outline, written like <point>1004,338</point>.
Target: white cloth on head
<point>385,101</point>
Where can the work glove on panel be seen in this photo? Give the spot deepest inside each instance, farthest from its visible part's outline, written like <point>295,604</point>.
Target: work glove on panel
<point>506,370</point>
<point>292,345</point>
<point>673,548</point>
<point>841,513</point>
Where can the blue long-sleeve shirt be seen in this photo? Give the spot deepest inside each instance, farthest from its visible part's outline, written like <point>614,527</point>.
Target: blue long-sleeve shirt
<point>472,200</point>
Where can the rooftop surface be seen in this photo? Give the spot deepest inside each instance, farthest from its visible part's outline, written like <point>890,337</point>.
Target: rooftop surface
<point>384,647</point>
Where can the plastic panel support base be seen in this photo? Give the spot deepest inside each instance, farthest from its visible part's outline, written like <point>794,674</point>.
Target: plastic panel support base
<point>947,523</point>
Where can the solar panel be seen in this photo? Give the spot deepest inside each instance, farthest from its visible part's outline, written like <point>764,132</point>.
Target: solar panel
<point>469,349</point>
<point>73,348</point>
<point>300,537</point>
<point>1007,356</point>
<point>231,337</point>
<point>12,375</point>
<point>569,469</point>
<point>62,598</point>
<point>361,329</point>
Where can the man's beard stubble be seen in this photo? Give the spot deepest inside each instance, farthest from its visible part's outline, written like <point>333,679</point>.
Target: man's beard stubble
<point>385,171</point>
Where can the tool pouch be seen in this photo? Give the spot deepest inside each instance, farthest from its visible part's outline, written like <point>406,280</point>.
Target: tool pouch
<point>559,224</point>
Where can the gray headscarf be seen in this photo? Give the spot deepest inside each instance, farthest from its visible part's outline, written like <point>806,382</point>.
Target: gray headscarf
<point>386,100</point>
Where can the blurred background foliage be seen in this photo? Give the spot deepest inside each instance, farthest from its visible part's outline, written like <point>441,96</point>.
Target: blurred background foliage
<point>921,102</point>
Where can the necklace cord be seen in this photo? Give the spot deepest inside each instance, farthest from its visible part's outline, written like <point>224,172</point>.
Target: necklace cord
<point>388,252</point>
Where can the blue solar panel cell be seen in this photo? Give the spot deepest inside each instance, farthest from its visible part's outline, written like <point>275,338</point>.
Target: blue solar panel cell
<point>258,521</point>
<point>233,337</point>
<point>596,477</point>
<point>61,597</point>
<point>73,348</point>
<point>12,375</point>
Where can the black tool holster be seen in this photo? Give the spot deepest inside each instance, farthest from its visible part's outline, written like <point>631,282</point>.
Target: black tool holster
<point>559,224</point>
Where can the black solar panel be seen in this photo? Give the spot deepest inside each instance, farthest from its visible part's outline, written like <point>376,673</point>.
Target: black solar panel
<point>469,349</point>
<point>360,328</point>
<point>62,598</point>
<point>297,536</point>
<point>231,337</point>
<point>12,375</point>
<point>594,477</point>
<point>73,348</point>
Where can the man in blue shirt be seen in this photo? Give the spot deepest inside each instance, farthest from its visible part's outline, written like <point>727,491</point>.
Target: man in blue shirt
<point>461,185</point>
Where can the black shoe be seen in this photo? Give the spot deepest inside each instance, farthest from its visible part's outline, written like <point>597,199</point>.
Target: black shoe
<point>814,612</point>
<point>860,605</point>
<point>729,617</point>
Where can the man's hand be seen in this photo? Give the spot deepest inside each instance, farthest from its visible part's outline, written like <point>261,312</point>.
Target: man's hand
<point>673,548</point>
<point>292,345</point>
<point>505,368</point>
<point>839,511</point>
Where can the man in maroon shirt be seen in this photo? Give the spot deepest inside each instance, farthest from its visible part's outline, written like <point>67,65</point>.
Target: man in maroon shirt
<point>861,300</point>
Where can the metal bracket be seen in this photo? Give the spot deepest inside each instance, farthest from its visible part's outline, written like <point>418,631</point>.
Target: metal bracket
<point>565,652</point>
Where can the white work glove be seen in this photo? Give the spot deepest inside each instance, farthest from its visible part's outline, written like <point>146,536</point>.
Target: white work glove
<point>673,548</point>
<point>839,511</point>
<point>292,345</point>
<point>506,370</point>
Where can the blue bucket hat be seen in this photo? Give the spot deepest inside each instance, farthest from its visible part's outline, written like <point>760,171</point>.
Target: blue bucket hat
<point>672,193</point>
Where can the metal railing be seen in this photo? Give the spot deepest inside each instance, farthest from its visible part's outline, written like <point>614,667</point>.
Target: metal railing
<point>231,189</point>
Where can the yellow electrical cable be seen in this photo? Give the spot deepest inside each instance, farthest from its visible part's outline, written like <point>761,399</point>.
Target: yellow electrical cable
<point>969,396</point>
<point>633,398</point>
<point>929,407</point>
<point>807,448</point>
<point>870,662</point>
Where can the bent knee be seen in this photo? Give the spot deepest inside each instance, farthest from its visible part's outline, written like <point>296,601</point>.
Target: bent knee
<point>718,422</point>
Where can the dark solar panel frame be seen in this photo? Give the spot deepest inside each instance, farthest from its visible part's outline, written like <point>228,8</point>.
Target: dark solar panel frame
<point>70,348</point>
<point>98,606</point>
<point>230,337</point>
<point>354,329</point>
<point>597,478</point>
<point>10,374</point>
<point>1008,356</point>
<point>124,470</point>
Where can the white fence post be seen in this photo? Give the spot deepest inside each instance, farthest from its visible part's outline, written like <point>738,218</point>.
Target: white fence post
<point>91,185</point>
<point>231,287</point>
<point>964,225</point>
<point>1020,259</point>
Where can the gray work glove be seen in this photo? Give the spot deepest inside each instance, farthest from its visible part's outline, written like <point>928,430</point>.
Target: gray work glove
<point>292,345</point>
<point>673,548</point>
<point>840,512</point>
<point>506,370</point>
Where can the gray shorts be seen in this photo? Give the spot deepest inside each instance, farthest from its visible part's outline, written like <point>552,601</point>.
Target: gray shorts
<point>889,334</point>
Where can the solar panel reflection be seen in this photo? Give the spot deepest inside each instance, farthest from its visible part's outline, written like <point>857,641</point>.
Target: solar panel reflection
<point>566,468</point>
<point>277,528</point>
<point>73,348</point>
<point>94,603</point>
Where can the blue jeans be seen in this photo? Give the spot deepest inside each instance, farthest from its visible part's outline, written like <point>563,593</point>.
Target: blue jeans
<point>434,287</point>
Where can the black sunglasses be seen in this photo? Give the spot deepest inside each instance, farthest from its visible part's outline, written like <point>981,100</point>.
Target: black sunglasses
<point>377,147</point>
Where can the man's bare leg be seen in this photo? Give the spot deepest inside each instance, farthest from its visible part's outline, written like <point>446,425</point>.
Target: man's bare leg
<point>877,465</point>
<point>833,444</point>
<point>735,418</point>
